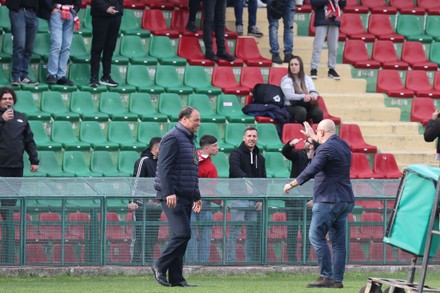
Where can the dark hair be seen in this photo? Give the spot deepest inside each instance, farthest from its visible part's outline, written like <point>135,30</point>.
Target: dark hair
<point>153,141</point>
<point>301,76</point>
<point>207,140</point>
<point>186,112</point>
<point>250,128</point>
<point>6,90</point>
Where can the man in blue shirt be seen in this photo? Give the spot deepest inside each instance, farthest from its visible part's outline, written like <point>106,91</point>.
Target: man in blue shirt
<point>333,200</point>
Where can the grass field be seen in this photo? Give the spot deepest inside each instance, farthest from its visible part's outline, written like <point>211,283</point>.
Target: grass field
<point>268,283</point>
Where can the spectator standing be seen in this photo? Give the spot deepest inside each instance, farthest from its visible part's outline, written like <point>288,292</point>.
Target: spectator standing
<point>177,186</point>
<point>146,166</point>
<point>16,137</point>
<point>199,249</point>
<point>106,20</point>
<point>252,18</point>
<point>432,131</point>
<point>24,27</point>
<point>60,15</point>
<point>300,95</point>
<point>333,200</point>
<point>193,7</point>
<point>246,161</point>
<point>327,22</point>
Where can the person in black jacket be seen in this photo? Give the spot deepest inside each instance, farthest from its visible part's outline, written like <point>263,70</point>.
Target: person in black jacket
<point>245,162</point>
<point>145,166</point>
<point>106,20</point>
<point>16,137</point>
<point>432,131</point>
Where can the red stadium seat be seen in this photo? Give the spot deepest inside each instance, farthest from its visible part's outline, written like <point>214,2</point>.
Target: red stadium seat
<point>379,6</point>
<point>380,26</point>
<point>292,131</point>
<point>414,54</point>
<point>351,133</point>
<point>437,80</point>
<point>277,233</point>
<point>360,167</point>
<point>353,6</point>
<point>154,21</point>
<point>376,252</point>
<point>374,231</point>
<point>120,252</point>
<point>418,81</point>
<point>181,4</point>
<point>312,30</point>
<point>223,62</point>
<point>134,4</point>
<point>80,230</point>
<point>163,234</point>
<point>385,53</point>
<point>390,83</point>
<point>356,253</point>
<point>327,115</point>
<point>250,76</point>
<point>305,8</point>
<point>407,7</point>
<point>31,234</point>
<point>115,231</point>
<point>189,48</point>
<point>432,6</point>
<point>421,110</point>
<point>386,164</point>
<point>276,74</point>
<point>179,19</point>
<point>223,77</point>
<point>353,27</point>
<point>35,254</point>
<point>70,255</point>
<point>247,49</point>
<point>259,119</point>
<point>356,53</point>
<point>159,4</point>
<point>50,226</point>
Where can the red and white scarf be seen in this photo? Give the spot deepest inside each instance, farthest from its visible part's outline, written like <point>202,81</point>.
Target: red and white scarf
<point>332,10</point>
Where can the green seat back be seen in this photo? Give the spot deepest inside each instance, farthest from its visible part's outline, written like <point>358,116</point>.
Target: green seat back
<point>137,75</point>
<point>234,133</point>
<point>166,76</point>
<point>275,165</point>
<point>126,161</point>
<point>170,104</point>
<point>101,162</point>
<point>148,130</point>
<point>221,162</point>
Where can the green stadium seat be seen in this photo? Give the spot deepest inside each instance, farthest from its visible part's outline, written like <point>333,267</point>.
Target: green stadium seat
<point>234,133</point>
<point>43,26</point>
<point>126,161</point>
<point>101,162</point>
<point>4,78</point>
<point>86,22</point>
<point>117,57</point>
<point>411,26</point>
<point>434,52</point>
<point>229,106</point>
<point>123,87</point>
<point>7,48</point>
<point>432,25</point>
<point>42,46</point>
<point>141,105</point>
<point>74,162</point>
<point>62,132</point>
<point>197,78</point>
<point>120,132</point>
<point>167,77</point>
<point>212,129</point>
<point>79,73</point>
<point>5,23</point>
<point>275,165</point>
<point>138,76</point>
<point>43,86</point>
<point>221,162</point>
<point>41,137</point>
<point>148,130</point>
<point>111,104</point>
<point>83,104</point>
<point>78,50</point>
<point>202,104</point>
<point>268,137</point>
<point>49,165</point>
<point>27,169</point>
<point>130,25</point>
<point>133,48</point>
<point>170,104</point>
<point>26,104</point>
<point>52,102</point>
<point>162,49</point>
<point>91,132</point>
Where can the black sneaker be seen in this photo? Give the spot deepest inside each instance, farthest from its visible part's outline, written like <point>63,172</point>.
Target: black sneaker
<point>211,56</point>
<point>65,81</point>
<point>254,31</point>
<point>314,74</point>
<point>51,79</point>
<point>94,83</point>
<point>287,57</point>
<point>27,80</point>
<point>15,83</point>
<point>333,74</point>
<point>108,81</point>
<point>277,59</point>
<point>225,56</point>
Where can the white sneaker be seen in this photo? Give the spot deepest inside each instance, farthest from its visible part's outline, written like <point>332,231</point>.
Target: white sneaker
<point>261,4</point>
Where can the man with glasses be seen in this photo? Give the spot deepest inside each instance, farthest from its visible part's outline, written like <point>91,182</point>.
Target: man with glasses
<point>333,200</point>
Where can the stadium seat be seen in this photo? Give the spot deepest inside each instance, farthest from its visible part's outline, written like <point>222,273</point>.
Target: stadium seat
<point>35,254</point>
<point>234,133</point>
<point>49,226</point>
<point>111,104</point>
<point>62,132</point>
<point>378,6</point>
<point>352,134</point>
<point>49,165</point>
<point>356,253</point>
<point>163,233</point>
<point>117,58</point>
<point>79,230</point>
<point>259,119</point>
<point>130,25</point>
<point>376,253</point>
<point>421,110</point>
<point>41,137</point>
<point>374,231</point>
<point>380,26</point>
<point>275,166</point>
<point>412,28</point>
<point>142,105</point>
<point>292,131</point>
<point>147,130</point>
<point>85,20</point>
<point>83,104</point>
<point>170,104</point>
<point>356,53</point>
<point>159,4</point>
<point>168,78</point>
<point>102,162</point>
<point>4,77</point>
<point>179,19</point>
<point>390,83</point>
<point>418,81</point>
<point>189,48</point>
<point>268,137</point>
<point>120,253</point>
<point>221,162</point>
<point>353,27</point>
<point>70,254</point>
<point>414,54</point>
<point>5,23</point>
<point>154,21</point>
<point>432,24</point>
<point>432,6</point>
<point>385,52</point>
<point>78,50</point>
<point>42,46</point>
<point>437,80</point>
<point>126,160</point>
<point>133,48</point>
<point>326,114</point>
<point>222,62</point>
<point>250,76</point>
<point>134,4</point>
<point>386,164</point>
<point>162,49</point>
<point>120,132</point>
<point>407,7</point>
<point>26,105</point>
<point>434,52</point>
<point>229,106</point>
<point>138,75</point>
<point>79,73</point>
<point>360,167</point>
<point>92,133</point>
<point>202,104</point>
<point>276,74</point>
<point>31,234</point>
<point>212,129</point>
<point>223,77</point>
<point>199,80</point>
<point>247,50</point>
<point>353,6</point>
<point>52,102</point>
<point>75,163</point>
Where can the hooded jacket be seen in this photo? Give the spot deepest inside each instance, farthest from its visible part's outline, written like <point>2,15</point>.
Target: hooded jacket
<point>246,164</point>
<point>147,169</point>
<point>432,131</point>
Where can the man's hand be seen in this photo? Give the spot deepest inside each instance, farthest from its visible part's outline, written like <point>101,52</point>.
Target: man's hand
<point>8,115</point>
<point>294,141</point>
<point>310,203</point>
<point>290,185</point>
<point>112,10</point>
<point>435,115</point>
<point>197,206</point>
<point>34,168</point>
<point>171,201</point>
<point>132,206</point>
<point>308,130</point>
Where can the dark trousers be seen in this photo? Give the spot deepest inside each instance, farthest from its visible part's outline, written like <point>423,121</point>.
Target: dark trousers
<point>193,7</point>
<point>295,214</point>
<point>302,113</point>
<point>179,219</point>
<point>152,216</point>
<point>214,12</point>
<point>105,31</point>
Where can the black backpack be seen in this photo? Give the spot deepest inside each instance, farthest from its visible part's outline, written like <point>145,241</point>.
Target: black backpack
<point>277,8</point>
<point>264,93</point>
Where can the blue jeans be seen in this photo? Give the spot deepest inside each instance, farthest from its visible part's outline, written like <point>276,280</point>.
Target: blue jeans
<point>252,12</point>
<point>199,249</point>
<point>61,33</point>
<point>288,29</point>
<point>24,28</point>
<point>331,219</point>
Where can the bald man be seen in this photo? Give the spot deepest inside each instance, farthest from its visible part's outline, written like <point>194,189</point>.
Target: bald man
<point>333,200</point>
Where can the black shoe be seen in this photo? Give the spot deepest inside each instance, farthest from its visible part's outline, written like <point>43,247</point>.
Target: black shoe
<point>15,83</point>
<point>51,79</point>
<point>287,57</point>
<point>183,284</point>
<point>254,31</point>
<point>276,58</point>
<point>211,56</point>
<point>314,74</point>
<point>322,282</point>
<point>225,56</point>
<point>94,83</point>
<point>108,81</point>
<point>65,81</point>
<point>191,26</point>
<point>27,80</point>
<point>160,277</point>
<point>333,74</point>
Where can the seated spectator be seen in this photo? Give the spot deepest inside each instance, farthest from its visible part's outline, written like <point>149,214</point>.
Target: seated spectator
<point>300,95</point>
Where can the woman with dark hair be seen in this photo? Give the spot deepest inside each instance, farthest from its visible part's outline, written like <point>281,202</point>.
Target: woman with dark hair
<point>300,95</point>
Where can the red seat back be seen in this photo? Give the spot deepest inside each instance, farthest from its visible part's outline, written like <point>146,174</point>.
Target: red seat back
<point>250,76</point>
<point>292,131</point>
<point>387,165</point>
<point>421,110</point>
<point>352,134</point>
<point>276,74</point>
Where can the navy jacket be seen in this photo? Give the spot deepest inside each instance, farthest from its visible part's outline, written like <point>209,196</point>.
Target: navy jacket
<point>319,7</point>
<point>330,167</point>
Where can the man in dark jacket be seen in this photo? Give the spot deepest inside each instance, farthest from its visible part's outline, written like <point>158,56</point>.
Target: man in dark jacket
<point>432,131</point>
<point>177,185</point>
<point>327,22</point>
<point>145,166</point>
<point>245,162</point>
<point>16,137</point>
